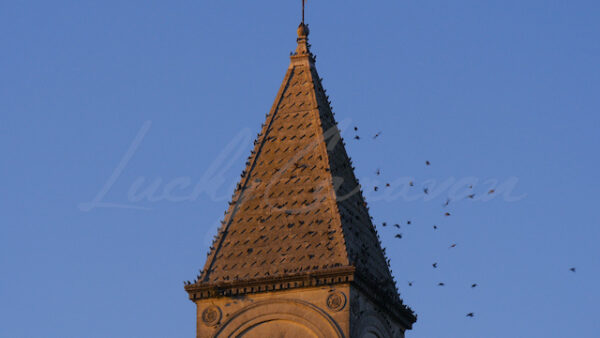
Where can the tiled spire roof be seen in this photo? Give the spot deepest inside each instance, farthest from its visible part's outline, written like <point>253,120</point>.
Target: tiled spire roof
<point>298,209</point>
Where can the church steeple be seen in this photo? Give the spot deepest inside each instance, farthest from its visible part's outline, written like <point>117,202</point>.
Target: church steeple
<point>298,229</point>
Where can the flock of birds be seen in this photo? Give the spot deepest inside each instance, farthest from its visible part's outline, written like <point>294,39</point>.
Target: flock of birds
<point>435,227</point>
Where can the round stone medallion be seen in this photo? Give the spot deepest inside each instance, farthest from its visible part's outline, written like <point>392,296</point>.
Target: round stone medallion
<point>336,301</point>
<point>211,316</point>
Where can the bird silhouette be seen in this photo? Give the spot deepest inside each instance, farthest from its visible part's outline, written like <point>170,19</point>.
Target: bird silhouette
<point>491,191</point>
<point>474,285</point>
<point>377,135</point>
<point>357,137</point>
<point>375,188</point>
<point>441,284</point>
<point>572,269</point>
<point>471,196</point>
<point>426,191</point>
<point>384,224</point>
<point>408,222</point>
<point>427,163</point>
<point>435,227</point>
<point>470,314</point>
<point>410,283</point>
<point>434,265</point>
<point>398,236</point>
<point>453,246</point>
<point>447,202</point>
<point>411,183</point>
<point>355,128</point>
<point>378,172</point>
<point>397,225</point>
<point>447,214</point>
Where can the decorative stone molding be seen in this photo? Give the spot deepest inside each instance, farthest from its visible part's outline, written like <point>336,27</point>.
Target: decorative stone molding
<point>211,316</point>
<point>336,301</point>
<point>305,316</point>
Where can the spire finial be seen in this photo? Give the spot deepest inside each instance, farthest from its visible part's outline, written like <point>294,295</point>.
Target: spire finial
<point>303,5</point>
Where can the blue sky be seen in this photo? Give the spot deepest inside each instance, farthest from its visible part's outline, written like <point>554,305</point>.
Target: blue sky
<point>491,92</point>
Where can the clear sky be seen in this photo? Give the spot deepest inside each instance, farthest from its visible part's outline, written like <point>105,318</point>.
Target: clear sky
<point>169,95</point>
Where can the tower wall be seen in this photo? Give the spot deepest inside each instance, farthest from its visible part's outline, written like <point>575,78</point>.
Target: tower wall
<point>307,312</point>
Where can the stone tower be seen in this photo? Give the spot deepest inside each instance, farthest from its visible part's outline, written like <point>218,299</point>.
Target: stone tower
<point>297,254</point>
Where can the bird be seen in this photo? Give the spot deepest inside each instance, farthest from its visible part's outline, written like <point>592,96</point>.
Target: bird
<point>435,227</point>
<point>447,202</point>
<point>357,137</point>
<point>408,222</point>
<point>384,224</point>
<point>388,185</point>
<point>410,283</point>
<point>397,225</point>
<point>474,285</point>
<point>434,265</point>
<point>453,246</point>
<point>491,191</point>
<point>447,214</point>
<point>378,172</point>
<point>411,184</point>
<point>470,314</point>
<point>355,128</point>
<point>377,135</point>
<point>427,163</point>
<point>441,284</point>
<point>375,188</point>
<point>426,191</point>
<point>471,196</point>
<point>398,236</point>
<point>572,269</point>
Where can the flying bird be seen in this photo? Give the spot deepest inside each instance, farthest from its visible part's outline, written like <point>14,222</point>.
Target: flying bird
<point>474,285</point>
<point>427,163</point>
<point>470,314</point>
<point>434,265</point>
<point>572,270</point>
<point>384,224</point>
<point>375,188</point>
<point>491,191</point>
<point>453,246</point>
<point>441,284</point>
<point>408,222</point>
<point>447,214</point>
<point>447,202</point>
<point>411,184</point>
<point>355,128</point>
<point>377,135</point>
<point>398,236</point>
<point>471,196</point>
<point>378,172</point>
<point>410,283</point>
<point>426,191</point>
<point>397,225</point>
<point>435,227</point>
<point>357,137</point>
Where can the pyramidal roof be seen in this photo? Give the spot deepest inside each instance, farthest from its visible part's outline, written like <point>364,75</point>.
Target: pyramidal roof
<point>298,213</point>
